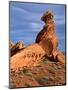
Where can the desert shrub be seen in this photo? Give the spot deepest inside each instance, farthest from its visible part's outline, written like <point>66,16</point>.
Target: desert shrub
<point>52,70</point>
<point>46,61</point>
<point>59,67</point>
<point>23,71</point>
<point>42,80</point>
<point>28,85</point>
<point>55,66</point>
<point>32,78</point>
<point>51,78</point>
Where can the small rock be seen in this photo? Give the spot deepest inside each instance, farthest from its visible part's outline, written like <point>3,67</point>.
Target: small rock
<point>11,44</point>
<point>61,57</point>
<point>17,47</point>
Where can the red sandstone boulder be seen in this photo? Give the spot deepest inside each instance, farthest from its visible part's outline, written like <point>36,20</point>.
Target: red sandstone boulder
<point>46,37</point>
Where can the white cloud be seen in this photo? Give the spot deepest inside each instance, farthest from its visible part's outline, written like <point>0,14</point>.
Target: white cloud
<point>35,25</point>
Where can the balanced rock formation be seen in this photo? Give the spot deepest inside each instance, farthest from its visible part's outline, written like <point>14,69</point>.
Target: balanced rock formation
<point>17,47</point>
<point>46,37</point>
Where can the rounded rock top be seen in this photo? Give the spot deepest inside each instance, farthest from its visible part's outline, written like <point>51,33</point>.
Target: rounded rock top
<point>47,15</point>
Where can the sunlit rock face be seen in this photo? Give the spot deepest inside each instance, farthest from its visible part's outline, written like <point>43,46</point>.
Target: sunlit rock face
<point>29,57</point>
<point>46,38</point>
<point>16,48</point>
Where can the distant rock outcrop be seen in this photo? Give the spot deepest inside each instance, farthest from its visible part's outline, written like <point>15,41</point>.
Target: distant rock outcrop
<point>11,44</point>
<point>17,47</point>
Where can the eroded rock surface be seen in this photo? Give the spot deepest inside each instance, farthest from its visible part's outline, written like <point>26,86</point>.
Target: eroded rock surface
<point>46,73</point>
<point>47,38</point>
<point>17,47</point>
<point>30,56</point>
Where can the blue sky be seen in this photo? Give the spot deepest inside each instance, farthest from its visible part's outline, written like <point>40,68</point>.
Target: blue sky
<point>25,21</point>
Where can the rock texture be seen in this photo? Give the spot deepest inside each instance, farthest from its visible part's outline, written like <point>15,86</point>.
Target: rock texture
<point>30,56</point>
<point>46,73</point>
<point>46,37</point>
<point>17,47</point>
<point>41,63</point>
<point>11,44</point>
